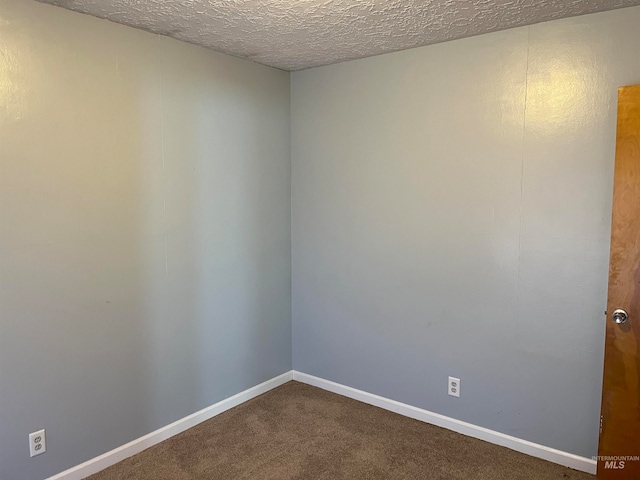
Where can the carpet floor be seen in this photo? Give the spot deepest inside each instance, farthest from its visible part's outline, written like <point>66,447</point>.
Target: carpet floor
<point>301,432</point>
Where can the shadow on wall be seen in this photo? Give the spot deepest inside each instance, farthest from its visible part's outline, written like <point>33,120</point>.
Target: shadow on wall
<point>220,307</point>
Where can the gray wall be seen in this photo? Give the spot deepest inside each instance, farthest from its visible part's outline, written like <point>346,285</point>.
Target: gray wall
<point>144,232</point>
<point>451,216</point>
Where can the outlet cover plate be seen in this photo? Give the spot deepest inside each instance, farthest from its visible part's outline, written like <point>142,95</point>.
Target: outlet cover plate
<point>37,443</point>
<point>454,387</point>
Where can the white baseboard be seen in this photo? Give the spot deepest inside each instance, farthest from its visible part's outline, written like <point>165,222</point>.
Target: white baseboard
<point>136,446</point>
<point>535,450</point>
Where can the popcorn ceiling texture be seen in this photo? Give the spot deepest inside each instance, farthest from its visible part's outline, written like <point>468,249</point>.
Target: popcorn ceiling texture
<point>299,34</point>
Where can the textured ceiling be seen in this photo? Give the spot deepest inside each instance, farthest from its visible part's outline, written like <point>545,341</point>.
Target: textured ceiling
<point>298,34</point>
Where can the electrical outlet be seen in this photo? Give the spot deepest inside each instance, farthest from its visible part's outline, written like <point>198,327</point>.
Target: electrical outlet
<point>37,443</point>
<point>454,387</point>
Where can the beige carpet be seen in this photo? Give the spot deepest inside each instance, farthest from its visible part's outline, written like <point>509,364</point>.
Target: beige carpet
<point>301,432</point>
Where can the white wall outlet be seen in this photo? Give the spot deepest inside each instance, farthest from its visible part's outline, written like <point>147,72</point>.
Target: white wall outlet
<point>37,443</point>
<point>454,387</point>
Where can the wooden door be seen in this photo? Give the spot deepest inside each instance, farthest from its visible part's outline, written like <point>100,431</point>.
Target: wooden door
<point>620,416</point>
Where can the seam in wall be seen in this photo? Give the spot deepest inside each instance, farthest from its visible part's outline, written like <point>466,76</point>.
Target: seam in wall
<point>164,173</point>
<point>524,135</point>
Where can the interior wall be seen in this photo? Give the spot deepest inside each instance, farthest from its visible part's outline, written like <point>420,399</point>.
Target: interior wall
<point>144,232</point>
<point>451,217</point>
